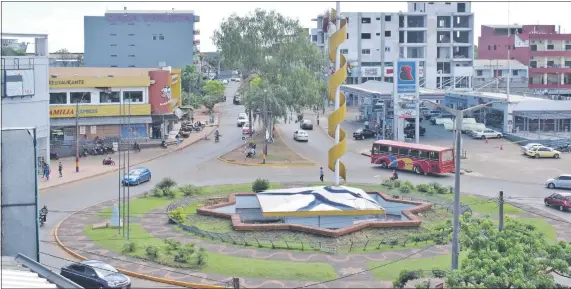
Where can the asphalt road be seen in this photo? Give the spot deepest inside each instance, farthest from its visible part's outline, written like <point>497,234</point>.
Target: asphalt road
<point>197,165</point>
<point>63,200</point>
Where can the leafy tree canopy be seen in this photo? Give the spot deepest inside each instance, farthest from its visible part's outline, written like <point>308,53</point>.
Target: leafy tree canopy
<point>214,87</point>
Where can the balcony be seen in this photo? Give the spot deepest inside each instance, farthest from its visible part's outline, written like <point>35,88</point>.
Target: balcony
<point>461,37</point>
<point>197,32</point>
<point>550,53</point>
<point>444,22</point>
<point>415,22</point>
<point>196,42</point>
<point>443,37</point>
<point>549,86</point>
<point>549,69</point>
<point>461,22</point>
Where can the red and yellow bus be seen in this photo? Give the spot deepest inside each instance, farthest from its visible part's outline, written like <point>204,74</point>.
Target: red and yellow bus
<point>422,159</point>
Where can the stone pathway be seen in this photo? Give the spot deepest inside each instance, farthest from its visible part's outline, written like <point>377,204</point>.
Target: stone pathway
<point>71,234</point>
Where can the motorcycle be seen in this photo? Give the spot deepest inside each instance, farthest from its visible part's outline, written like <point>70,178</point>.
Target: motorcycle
<point>164,144</point>
<point>566,148</point>
<point>217,138</point>
<point>109,150</point>
<point>251,153</point>
<point>43,215</point>
<point>108,162</point>
<point>197,128</point>
<point>54,156</point>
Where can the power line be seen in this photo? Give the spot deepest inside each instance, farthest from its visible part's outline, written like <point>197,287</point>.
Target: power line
<point>130,262</point>
<point>367,270</point>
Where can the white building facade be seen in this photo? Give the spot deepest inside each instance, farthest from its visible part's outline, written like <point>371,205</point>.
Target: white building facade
<point>25,92</point>
<point>437,34</point>
<point>492,75</point>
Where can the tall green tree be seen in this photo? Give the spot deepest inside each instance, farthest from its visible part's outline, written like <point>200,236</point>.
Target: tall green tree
<point>190,78</point>
<point>214,87</point>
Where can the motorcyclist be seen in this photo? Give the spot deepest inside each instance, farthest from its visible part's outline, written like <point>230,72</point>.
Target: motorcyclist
<point>44,214</point>
<point>395,176</point>
<point>217,134</point>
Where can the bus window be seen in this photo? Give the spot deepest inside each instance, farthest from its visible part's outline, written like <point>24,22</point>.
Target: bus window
<point>383,149</point>
<point>423,154</point>
<point>376,149</point>
<point>447,156</point>
<point>434,156</point>
<point>403,151</point>
<point>414,153</point>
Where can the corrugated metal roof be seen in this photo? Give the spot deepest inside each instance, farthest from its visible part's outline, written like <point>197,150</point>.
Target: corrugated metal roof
<point>16,276</point>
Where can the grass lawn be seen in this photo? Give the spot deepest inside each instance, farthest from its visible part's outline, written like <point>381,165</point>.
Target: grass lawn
<point>138,206</point>
<point>216,263</point>
<point>392,271</point>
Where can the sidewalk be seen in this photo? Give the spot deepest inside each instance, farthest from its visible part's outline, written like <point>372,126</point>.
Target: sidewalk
<point>92,166</point>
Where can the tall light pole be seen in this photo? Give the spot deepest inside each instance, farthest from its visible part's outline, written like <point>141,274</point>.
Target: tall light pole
<point>459,117</point>
<point>77,131</point>
<point>338,89</point>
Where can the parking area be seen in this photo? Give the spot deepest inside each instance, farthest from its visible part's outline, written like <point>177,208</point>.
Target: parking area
<point>498,158</point>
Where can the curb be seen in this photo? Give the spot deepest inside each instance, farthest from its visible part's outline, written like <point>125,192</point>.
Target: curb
<point>135,164</point>
<point>129,273</point>
<point>310,164</point>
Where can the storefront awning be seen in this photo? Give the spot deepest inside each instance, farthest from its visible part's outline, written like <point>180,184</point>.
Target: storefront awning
<point>61,122</point>
<point>543,109</point>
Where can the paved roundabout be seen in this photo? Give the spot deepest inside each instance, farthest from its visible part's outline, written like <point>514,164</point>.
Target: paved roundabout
<point>197,165</point>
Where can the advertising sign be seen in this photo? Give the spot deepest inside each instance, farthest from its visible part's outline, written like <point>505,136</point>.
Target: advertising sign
<point>406,77</point>
<point>119,81</point>
<point>18,82</point>
<point>134,131</point>
<point>390,70</point>
<point>67,111</point>
<point>370,71</point>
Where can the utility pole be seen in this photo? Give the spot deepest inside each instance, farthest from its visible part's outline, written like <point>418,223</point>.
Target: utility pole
<point>501,205</point>
<point>77,137</point>
<point>235,283</point>
<point>265,128</point>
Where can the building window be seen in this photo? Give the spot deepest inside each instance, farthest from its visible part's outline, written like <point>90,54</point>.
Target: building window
<point>131,65</point>
<point>112,97</point>
<point>58,98</point>
<point>387,34</point>
<point>533,64</point>
<point>389,64</point>
<point>495,47</point>
<point>161,37</point>
<point>131,34</point>
<point>365,35</point>
<point>550,63</point>
<point>387,49</point>
<point>76,97</point>
<point>134,96</point>
<point>567,63</point>
<point>113,65</point>
<point>533,47</point>
<point>113,34</point>
<point>378,18</point>
<point>132,45</point>
<point>154,37</point>
<point>347,35</point>
<point>515,72</point>
<point>447,3</point>
<point>550,47</point>
<point>344,51</point>
<point>461,7</point>
<point>365,51</point>
<point>388,18</point>
<point>366,20</point>
<point>113,45</point>
<point>567,47</point>
<point>131,23</point>
<point>131,55</point>
<point>113,55</point>
<point>378,34</point>
<point>489,47</point>
<point>113,23</point>
<point>479,72</point>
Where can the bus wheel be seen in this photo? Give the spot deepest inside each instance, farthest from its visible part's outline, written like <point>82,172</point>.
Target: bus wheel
<point>418,170</point>
<point>383,164</point>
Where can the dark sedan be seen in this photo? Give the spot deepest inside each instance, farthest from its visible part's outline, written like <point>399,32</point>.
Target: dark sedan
<point>410,131</point>
<point>364,133</point>
<point>306,124</point>
<point>562,201</point>
<point>95,274</point>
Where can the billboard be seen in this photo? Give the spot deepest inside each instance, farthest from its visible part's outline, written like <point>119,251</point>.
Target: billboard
<point>67,111</point>
<point>406,77</point>
<point>18,83</point>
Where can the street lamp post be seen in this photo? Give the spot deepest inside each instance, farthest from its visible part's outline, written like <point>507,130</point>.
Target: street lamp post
<point>77,131</point>
<point>459,117</point>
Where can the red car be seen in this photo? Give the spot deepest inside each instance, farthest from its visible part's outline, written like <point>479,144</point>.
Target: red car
<point>562,201</point>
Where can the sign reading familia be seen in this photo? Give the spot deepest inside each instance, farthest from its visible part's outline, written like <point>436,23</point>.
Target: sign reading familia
<point>67,111</point>
<point>148,17</point>
<point>406,81</point>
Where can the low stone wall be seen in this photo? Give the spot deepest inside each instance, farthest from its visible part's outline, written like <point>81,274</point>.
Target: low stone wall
<point>238,225</point>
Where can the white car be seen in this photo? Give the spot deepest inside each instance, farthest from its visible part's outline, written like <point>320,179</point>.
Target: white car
<point>487,133</point>
<point>242,119</point>
<point>300,135</point>
<point>225,81</point>
<point>236,79</point>
<point>530,146</point>
<point>563,181</point>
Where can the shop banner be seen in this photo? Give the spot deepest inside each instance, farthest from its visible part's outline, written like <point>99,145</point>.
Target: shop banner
<point>118,81</point>
<point>134,131</point>
<point>68,111</point>
<point>370,71</point>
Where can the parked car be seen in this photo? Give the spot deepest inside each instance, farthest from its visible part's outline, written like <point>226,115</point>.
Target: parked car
<point>410,130</point>
<point>562,201</point>
<point>440,115</point>
<point>530,146</point>
<point>137,176</point>
<point>242,119</point>
<point>430,113</point>
<point>236,79</point>
<point>95,274</point>
<point>225,81</point>
<point>364,133</point>
<point>306,124</point>
<point>237,99</point>
<point>543,152</point>
<point>562,181</point>
<point>487,133</point>
<point>300,135</point>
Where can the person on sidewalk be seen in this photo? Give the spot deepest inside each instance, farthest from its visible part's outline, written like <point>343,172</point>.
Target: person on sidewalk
<point>321,174</point>
<point>47,171</point>
<point>318,118</point>
<point>44,165</point>
<point>60,169</point>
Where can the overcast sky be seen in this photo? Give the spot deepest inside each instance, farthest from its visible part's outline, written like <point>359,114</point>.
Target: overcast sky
<point>63,21</point>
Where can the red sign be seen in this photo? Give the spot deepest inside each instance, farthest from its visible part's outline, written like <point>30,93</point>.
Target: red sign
<point>147,17</point>
<point>159,92</point>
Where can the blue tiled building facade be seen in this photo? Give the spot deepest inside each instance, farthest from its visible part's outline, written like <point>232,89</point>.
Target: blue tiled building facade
<point>140,39</point>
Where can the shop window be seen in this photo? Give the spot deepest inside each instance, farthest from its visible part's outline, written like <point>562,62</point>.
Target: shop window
<point>134,96</point>
<point>344,51</point>
<point>81,97</point>
<point>112,97</point>
<point>58,98</point>
<point>365,35</point>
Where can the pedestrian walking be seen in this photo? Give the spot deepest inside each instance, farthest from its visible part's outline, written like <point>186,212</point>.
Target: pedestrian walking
<point>60,169</point>
<point>321,174</point>
<point>317,118</point>
<point>44,165</point>
<point>47,172</point>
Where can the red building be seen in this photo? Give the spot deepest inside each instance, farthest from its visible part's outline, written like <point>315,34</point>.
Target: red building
<point>541,47</point>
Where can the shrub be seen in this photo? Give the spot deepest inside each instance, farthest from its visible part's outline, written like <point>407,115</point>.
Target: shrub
<point>165,183</point>
<point>157,192</point>
<point>430,192</point>
<point>442,190</point>
<point>437,273</point>
<point>423,188</point>
<point>260,185</point>
<point>145,194</point>
<point>397,183</point>
<point>152,251</point>
<point>180,257</point>
<point>408,184</point>
<point>405,276</point>
<point>388,183</point>
<point>172,245</point>
<point>450,189</point>
<point>436,186</point>
<point>201,257</point>
<point>129,247</point>
<point>169,193</point>
<point>185,253</point>
<point>190,190</point>
<point>177,214</point>
<point>404,190</point>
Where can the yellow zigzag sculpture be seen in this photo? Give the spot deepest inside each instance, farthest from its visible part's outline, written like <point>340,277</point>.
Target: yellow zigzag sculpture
<point>335,80</point>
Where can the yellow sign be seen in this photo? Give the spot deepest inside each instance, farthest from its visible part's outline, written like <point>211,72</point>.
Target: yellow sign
<point>67,111</point>
<point>119,81</point>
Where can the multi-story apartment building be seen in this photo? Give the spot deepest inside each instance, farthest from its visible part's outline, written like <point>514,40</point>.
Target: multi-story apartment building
<point>128,38</point>
<point>438,34</point>
<point>543,48</point>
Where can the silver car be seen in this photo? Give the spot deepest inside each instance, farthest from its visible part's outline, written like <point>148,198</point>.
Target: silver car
<point>563,181</point>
